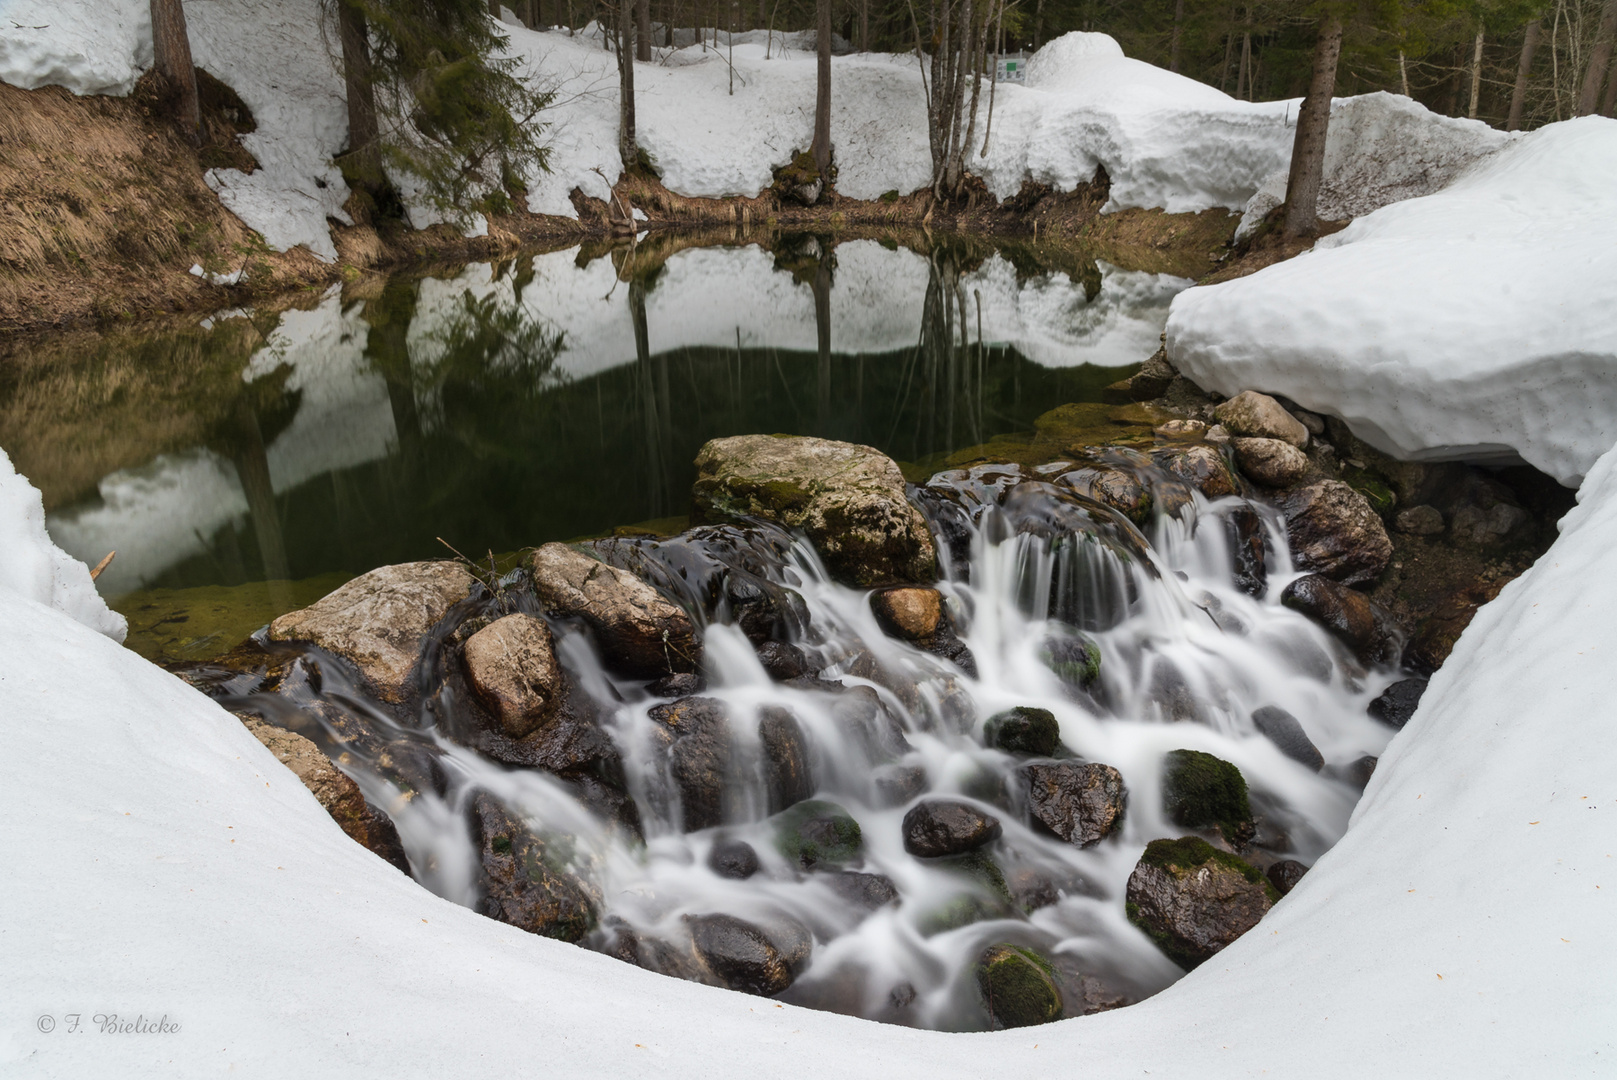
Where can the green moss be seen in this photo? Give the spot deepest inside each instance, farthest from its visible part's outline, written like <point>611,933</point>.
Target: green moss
<point>1200,791</point>
<point>1179,857</point>
<point>890,196</point>
<point>817,833</point>
<point>501,844</point>
<point>1018,986</point>
<point>1023,731</point>
<point>1376,493</point>
<point>981,868</point>
<point>785,495</point>
<point>1075,659</point>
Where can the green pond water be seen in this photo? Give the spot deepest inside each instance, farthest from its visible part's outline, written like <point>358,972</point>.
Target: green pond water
<point>246,464</point>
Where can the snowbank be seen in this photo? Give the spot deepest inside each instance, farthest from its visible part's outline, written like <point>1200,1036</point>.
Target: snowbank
<point>1479,321</point>
<point>88,46</point>
<point>33,567</point>
<point>162,864</point>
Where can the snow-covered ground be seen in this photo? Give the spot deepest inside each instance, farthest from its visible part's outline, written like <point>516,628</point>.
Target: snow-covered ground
<point>1478,320</point>
<point>162,865</point>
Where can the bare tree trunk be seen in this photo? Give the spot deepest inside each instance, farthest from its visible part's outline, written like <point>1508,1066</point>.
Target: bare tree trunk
<point>1610,106</point>
<point>822,91</point>
<point>1173,45</point>
<point>628,145</point>
<point>1313,121</point>
<point>1518,96</point>
<point>1476,75</point>
<point>1243,80</point>
<point>1403,72</point>
<point>1038,25</point>
<point>1599,57</point>
<point>171,50</point>
<point>642,31</point>
<point>364,160</point>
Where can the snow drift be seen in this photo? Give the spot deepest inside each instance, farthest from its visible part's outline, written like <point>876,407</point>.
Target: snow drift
<point>90,48</point>
<point>1479,321</point>
<point>33,567</point>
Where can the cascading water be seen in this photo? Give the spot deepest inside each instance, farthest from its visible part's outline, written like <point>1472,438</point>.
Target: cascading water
<point>732,801</point>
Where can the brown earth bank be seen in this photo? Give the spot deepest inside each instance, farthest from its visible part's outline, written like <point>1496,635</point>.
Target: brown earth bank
<point>104,211</point>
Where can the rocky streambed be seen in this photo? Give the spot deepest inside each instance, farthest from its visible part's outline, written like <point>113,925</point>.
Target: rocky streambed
<point>1023,741</point>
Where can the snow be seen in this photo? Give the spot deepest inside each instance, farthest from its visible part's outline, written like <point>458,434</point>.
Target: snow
<point>1476,322</point>
<point>88,46</point>
<point>162,864</point>
<point>34,568</point>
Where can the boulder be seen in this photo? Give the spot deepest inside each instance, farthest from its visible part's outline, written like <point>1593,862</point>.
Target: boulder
<point>1182,429</point>
<point>1153,378</point>
<point>640,633</point>
<point>1192,899</point>
<point>1419,520</point>
<point>741,955</point>
<point>1202,467</point>
<point>1082,802</point>
<point>783,661</point>
<point>1472,524</point>
<point>511,666</point>
<point>380,620</point>
<point>814,833</point>
<point>1018,987</point>
<point>869,891</point>
<point>1261,416</point>
<point>850,500</point>
<point>1200,791</point>
<point>695,734</point>
<point>1249,548</point>
<point>939,827</point>
<point>1271,462</point>
<point>787,778</point>
<point>732,859</point>
<point>1023,730</point>
<point>1397,702</point>
<point>1286,732</point>
<point>522,883</point>
<point>333,790</point>
<point>1285,874</point>
<point>1073,657</point>
<point>681,685</point>
<point>1333,531</point>
<point>912,614</point>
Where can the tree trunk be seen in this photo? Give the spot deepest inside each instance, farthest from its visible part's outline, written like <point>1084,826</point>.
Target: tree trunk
<point>1610,107</point>
<point>864,25</point>
<point>364,160</point>
<point>1476,75</point>
<point>628,147</point>
<point>1038,25</point>
<point>822,91</point>
<point>1173,45</point>
<point>1518,96</point>
<point>1243,81</point>
<point>171,51</point>
<point>1313,121</point>
<point>1599,57</point>
<point>1403,72</point>
<point>642,31</point>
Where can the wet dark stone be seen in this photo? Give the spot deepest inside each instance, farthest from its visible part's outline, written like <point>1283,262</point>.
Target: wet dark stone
<point>815,833</point>
<point>1023,730</point>
<point>520,885</point>
<point>787,777</point>
<point>740,954</point>
<point>1285,874</point>
<point>898,784</point>
<point>1248,541</point>
<point>632,946</point>
<point>862,890</point>
<point>901,996</point>
<point>1335,532</point>
<point>1082,802</point>
<point>1171,693</point>
<point>677,686</point>
<point>783,661</point>
<point>1286,732</point>
<point>939,827</point>
<point>696,734</point>
<point>733,859</point>
<point>1356,772</point>
<point>1343,611</point>
<point>1397,703</point>
<point>1192,900</point>
<point>946,645</point>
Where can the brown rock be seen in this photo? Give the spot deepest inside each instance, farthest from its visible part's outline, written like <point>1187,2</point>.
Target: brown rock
<point>939,827</point>
<point>1117,488</point>
<point>1153,378</point>
<point>744,957</point>
<point>1270,462</point>
<point>1081,802</point>
<point>849,499</point>
<point>908,613</point>
<point>523,883</point>
<point>380,619</point>
<point>333,790</point>
<point>787,776</point>
<point>1202,467</point>
<point>640,633</point>
<point>1193,900</point>
<point>1182,429</point>
<point>695,732</point>
<point>1333,531</point>
<point>1261,416</point>
<point>1343,611</point>
<point>511,665</point>
<point>1420,520</point>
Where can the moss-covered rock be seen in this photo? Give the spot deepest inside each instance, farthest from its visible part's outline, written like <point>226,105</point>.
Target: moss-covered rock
<point>1074,658</point>
<point>1018,986</point>
<point>818,833</point>
<point>1023,730</point>
<point>1200,791</point>
<point>1192,899</point>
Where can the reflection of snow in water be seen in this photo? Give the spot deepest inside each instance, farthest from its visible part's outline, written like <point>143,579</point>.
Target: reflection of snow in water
<point>167,510</point>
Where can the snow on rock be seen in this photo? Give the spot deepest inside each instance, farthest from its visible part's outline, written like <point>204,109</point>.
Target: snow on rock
<point>161,863</point>
<point>88,46</point>
<point>1479,321</point>
<point>34,568</point>
<point>1382,148</point>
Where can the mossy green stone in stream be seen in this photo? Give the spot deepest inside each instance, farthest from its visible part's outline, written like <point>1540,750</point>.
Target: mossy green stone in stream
<point>1179,857</point>
<point>1018,986</point>
<point>981,868</point>
<point>199,623</point>
<point>1201,791</point>
<point>817,833</point>
<point>1023,730</point>
<point>1075,660</point>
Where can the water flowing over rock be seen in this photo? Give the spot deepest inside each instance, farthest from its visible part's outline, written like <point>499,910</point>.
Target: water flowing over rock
<point>1271,462</point>
<point>1261,416</point>
<point>849,499</point>
<point>733,859</point>
<point>1202,467</point>
<point>1346,613</point>
<point>511,664</point>
<point>938,827</point>
<point>1192,899</point>
<point>743,957</point>
<point>380,620</point>
<point>1249,547</point>
<point>1082,802</point>
<point>1023,730</point>
<point>523,882</point>
<point>1018,987</point>
<point>818,834</point>
<point>639,631</point>
<point>1201,791</point>
<point>787,777</point>
<point>695,734</point>
<point>1335,532</point>
<point>1286,732</point>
